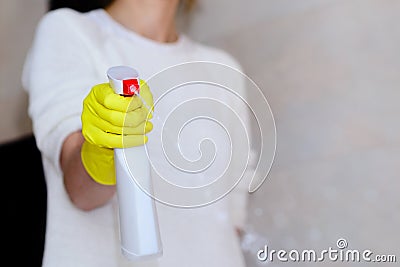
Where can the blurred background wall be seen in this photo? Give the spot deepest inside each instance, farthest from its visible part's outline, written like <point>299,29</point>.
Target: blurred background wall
<point>330,70</point>
<point>18,19</point>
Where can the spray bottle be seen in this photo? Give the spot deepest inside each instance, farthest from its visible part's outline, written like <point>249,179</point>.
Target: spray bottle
<point>139,230</point>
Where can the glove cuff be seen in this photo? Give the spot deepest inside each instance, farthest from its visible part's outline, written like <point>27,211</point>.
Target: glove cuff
<point>99,163</point>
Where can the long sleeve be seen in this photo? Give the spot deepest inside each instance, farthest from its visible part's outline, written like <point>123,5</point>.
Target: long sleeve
<point>57,76</point>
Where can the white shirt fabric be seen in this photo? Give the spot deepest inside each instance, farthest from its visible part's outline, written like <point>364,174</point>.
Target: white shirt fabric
<point>70,53</point>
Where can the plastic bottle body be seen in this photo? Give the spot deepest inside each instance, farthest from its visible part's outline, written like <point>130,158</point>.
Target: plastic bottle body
<point>139,230</point>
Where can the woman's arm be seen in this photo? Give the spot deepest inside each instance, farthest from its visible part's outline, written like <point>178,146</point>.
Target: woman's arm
<point>84,192</point>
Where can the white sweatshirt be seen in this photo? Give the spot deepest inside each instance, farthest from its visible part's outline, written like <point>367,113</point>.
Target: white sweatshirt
<point>70,53</point>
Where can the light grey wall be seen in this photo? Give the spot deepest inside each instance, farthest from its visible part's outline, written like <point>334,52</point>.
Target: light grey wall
<point>330,70</point>
<point>18,19</point>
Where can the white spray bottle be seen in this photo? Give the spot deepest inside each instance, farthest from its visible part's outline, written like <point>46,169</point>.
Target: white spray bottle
<point>139,230</point>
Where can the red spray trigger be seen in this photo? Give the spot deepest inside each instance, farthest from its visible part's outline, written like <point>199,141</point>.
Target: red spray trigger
<point>130,87</point>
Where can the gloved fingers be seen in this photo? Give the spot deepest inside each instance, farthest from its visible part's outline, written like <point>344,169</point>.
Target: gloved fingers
<point>118,118</point>
<point>104,95</point>
<point>103,139</point>
<point>136,117</point>
<point>148,127</point>
<point>141,129</point>
<point>113,121</point>
<point>115,137</point>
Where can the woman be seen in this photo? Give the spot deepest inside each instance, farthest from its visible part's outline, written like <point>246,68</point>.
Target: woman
<point>64,75</point>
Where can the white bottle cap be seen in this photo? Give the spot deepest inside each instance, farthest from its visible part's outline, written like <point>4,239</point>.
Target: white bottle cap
<point>124,80</point>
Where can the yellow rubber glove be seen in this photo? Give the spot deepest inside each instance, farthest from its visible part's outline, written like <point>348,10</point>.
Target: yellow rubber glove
<point>112,121</point>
